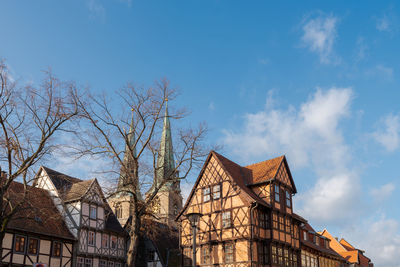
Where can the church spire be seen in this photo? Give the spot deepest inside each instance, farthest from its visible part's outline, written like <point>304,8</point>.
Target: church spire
<point>165,160</point>
<point>128,162</point>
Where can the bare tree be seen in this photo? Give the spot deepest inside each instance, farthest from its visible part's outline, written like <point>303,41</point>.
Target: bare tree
<point>30,117</point>
<point>108,135</point>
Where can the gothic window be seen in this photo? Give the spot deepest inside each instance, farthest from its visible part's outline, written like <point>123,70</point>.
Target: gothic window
<point>33,246</point>
<point>91,238</point>
<point>216,191</point>
<point>93,212</point>
<point>277,197</point>
<point>19,244</point>
<point>226,219</point>
<point>56,249</point>
<point>206,194</point>
<point>156,205</point>
<point>176,209</point>
<point>104,241</point>
<point>229,250</point>
<point>118,210</point>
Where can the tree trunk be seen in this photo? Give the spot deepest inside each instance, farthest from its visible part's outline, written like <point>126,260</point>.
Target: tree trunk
<point>133,242</point>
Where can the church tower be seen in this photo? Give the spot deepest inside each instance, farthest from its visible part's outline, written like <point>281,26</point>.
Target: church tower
<point>121,201</point>
<point>168,201</point>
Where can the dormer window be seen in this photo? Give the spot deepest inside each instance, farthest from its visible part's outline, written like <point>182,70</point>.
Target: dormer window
<point>277,197</point>
<point>305,235</point>
<point>93,212</point>
<point>288,199</point>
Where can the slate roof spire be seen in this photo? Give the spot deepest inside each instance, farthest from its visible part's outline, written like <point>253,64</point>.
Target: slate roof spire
<point>165,160</point>
<point>128,161</point>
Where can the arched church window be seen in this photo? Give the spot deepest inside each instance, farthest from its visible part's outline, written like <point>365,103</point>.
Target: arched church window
<point>118,210</point>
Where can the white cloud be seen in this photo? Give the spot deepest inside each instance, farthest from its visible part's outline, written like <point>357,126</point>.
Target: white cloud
<point>96,9</point>
<point>319,35</point>
<point>383,192</point>
<point>381,71</point>
<point>388,133</point>
<point>310,137</point>
<point>380,239</point>
<point>211,106</point>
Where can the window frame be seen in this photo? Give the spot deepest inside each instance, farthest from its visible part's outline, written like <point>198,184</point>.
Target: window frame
<point>102,263</point>
<point>37,245</point>
<point>80,262</point>
<point>89,239</point>
<point>225,220</point>
<point>15,244</point>
<point>105,237</point>
<point>288,197</point>
<point>92,208</point>
<point>231,253</point>
<point>277,195</point>
<point>216,191</point>
<point>111,242</point>
<point>88,261</point>
<point>205,255</point>
<point>53,249</point>
<point>206,194</point>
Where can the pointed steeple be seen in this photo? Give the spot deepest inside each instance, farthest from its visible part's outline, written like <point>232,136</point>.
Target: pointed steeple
<point>165,160</point>
<point>128,161</point>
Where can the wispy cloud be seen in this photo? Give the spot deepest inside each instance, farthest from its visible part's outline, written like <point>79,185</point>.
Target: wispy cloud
<point>388,132</point>
<point>96,9</point>
<point>381,193</point>
<point>319,35</point>
<point>380,71</point>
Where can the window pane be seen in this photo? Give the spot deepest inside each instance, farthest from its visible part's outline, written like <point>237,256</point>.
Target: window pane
<point>93,212</point>
<point>20,243</point>
<point>33,245</point>
<point>216,191</point>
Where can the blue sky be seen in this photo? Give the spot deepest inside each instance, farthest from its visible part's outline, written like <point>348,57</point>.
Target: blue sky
<point>317,81</point>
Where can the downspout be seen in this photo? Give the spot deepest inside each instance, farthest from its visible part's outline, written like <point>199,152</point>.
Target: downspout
<point>251,231</point>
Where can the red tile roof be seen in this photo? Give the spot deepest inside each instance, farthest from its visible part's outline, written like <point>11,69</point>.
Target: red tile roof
<point>37,214</point>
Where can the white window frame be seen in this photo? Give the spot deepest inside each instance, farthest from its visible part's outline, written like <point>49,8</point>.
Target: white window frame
<point>206,194</point>
<point>216,191</point>
<point>88,262</point>
<point>226,219</point>
<point>80,262</point>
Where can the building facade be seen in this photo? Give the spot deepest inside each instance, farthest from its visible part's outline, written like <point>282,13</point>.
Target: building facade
<point>247,218</point>
<point>100,239</point>
<point>37,233</point>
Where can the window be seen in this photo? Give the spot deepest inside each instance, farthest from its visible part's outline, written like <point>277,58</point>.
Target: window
<point>88,262</point>
<point>281,223</point>
<point>273,253</point>
<point>275,220</point>
<point>110,264</point>
<point>19,244</point>
<point>280,255</point>
<point>151,255</point>
<point>113,241</point>
<point>103,263</point>
<point>277,197</point>
<point>263,253</point>
<point>228,249</point>
<point>288,202</point>
<point>91,238</point>
<point>296,232</point>
<point>288,225</point>
<point>294,259</point>
<point>205,255</point>
<point>216,191</point>
<point>33,246</point>
<point>80,262</point>
<point>117,264</point>
<point>118,211</point>
<point>286,256</point>
<point>326,243</point>
<point>56,249</point>
<point>261,218</point>
<point>187,257</point>
<point>305,235</point>
<point>93,212</point>
<point>206,194</point>
<point>226,219</point>
<point>104,241</point>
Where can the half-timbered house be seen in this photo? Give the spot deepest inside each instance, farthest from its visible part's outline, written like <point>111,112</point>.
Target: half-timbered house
<point>37,232</point>
<point>101,241</point>
<point>315,250</point>
<point>354,256</point>
<point>248,217</point>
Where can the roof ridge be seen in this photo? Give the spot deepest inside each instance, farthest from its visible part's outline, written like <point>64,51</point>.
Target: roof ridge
<point>264,161</point>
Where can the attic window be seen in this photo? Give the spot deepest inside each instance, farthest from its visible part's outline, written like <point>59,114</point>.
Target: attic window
<point>206,194</point>
<point>288,202</point>
<point>93,212</point>
<point>216,191</point>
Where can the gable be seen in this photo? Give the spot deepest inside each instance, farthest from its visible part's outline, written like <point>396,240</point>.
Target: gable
<point>94,194</point>
<point>283,175</point>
